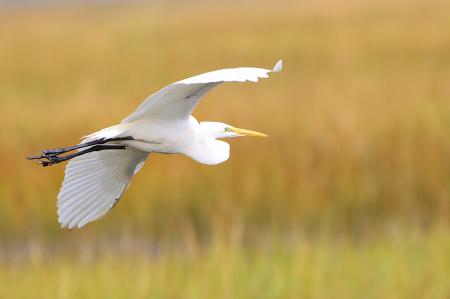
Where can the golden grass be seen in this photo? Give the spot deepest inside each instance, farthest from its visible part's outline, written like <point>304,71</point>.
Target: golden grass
<point>355,174</point>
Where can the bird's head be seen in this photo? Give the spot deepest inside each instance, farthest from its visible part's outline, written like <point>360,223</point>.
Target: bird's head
<point>220,130</point>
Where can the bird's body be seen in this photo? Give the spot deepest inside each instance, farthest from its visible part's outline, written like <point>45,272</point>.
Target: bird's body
<point>100,172</point>
<point>176,136</point>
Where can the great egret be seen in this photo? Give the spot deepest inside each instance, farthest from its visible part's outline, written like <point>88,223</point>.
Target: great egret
<point>102,169</point>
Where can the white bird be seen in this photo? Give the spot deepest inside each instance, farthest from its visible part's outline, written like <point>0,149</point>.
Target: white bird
<point>101,170</point>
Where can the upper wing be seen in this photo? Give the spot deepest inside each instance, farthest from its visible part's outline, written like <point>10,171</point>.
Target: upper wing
<point>94,183</point>
<point>179,99</point>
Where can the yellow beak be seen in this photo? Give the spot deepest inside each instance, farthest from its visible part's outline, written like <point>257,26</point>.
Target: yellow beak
<point>243,132</point>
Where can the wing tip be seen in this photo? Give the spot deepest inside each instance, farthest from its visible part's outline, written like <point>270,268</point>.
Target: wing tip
<point>278,66</point>
<point>71,225</point>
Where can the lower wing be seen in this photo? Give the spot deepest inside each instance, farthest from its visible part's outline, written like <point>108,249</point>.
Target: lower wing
<point>94,183</point>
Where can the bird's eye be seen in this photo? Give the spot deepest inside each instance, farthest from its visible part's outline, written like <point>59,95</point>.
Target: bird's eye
<point>228,129</point>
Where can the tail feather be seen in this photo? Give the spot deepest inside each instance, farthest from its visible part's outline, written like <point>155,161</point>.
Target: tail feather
<point>110,132</point>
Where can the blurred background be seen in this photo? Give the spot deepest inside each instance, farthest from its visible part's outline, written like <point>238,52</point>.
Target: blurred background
<point>349,198</point>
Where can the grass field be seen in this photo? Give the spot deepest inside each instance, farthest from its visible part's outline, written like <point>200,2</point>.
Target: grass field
<point>412,266</point>
<point>349,198</point>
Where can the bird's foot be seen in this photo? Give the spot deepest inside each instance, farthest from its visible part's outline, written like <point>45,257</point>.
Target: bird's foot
<point>50,155</point>
<point>44,163</point>
<point>35,157</point>
<point>53,158</point>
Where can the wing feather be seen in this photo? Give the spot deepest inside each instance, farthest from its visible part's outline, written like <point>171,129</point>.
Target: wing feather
<point>81,210</point>
<point>79,189</point>
<point>94,183</point>
<point>179,99</point>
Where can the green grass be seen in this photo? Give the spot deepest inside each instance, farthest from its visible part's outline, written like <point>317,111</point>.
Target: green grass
<point>348,198</point>
<point>406,266</point>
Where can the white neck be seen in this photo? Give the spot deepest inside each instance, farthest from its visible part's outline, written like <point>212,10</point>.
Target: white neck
<point>206,149</point>
<point>210,152</point>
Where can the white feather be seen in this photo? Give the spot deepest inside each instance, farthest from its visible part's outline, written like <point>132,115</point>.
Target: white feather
<point>94,183</point>
<point>179,99</point>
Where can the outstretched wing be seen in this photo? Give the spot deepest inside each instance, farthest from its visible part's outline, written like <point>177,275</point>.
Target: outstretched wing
<point>179,99</point>
<point>94,183</point>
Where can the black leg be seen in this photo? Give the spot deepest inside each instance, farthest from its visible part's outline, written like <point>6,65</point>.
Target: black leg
<point>52,154</point>
<point>59,151</point>
<point>53,159</point>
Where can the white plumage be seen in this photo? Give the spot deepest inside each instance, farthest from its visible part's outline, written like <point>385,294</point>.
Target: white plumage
<point>95,181</point>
